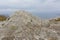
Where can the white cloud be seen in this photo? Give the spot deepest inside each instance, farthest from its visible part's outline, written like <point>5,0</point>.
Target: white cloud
<point>8,2</point>
<point>32,5</point>
<point>9,9</point>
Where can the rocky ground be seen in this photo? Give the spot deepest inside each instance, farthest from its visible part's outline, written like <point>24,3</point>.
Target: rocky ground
<point>23,26</point>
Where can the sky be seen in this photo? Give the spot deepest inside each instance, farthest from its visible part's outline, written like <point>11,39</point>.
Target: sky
<point>34,6</point>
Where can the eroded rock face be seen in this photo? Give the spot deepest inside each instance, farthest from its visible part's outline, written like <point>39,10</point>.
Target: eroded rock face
<point>24,26</point>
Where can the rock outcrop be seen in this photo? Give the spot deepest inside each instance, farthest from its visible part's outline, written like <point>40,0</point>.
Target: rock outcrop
<point>24,26</point>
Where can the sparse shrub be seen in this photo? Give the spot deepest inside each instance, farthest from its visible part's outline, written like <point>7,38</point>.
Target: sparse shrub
<point>2,18</point>
<point>55,21</point>
<point>58,19</point>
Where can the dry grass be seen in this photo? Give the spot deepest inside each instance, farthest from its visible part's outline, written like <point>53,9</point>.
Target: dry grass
<point>2,18</point>
<point>58,19</point>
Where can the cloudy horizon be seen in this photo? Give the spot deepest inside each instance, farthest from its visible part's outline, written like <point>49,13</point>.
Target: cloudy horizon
<point>34,6</point>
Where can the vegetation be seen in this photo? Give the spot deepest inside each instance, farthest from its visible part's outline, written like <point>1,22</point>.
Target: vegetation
<point>3,18</point>
<point>58,19</point>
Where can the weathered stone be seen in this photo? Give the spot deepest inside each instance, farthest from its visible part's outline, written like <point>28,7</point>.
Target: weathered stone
<point>8,38</point>
<point>24,26</point>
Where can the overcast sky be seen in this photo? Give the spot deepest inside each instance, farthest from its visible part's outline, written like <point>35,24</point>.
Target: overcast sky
<point>36,6</point>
